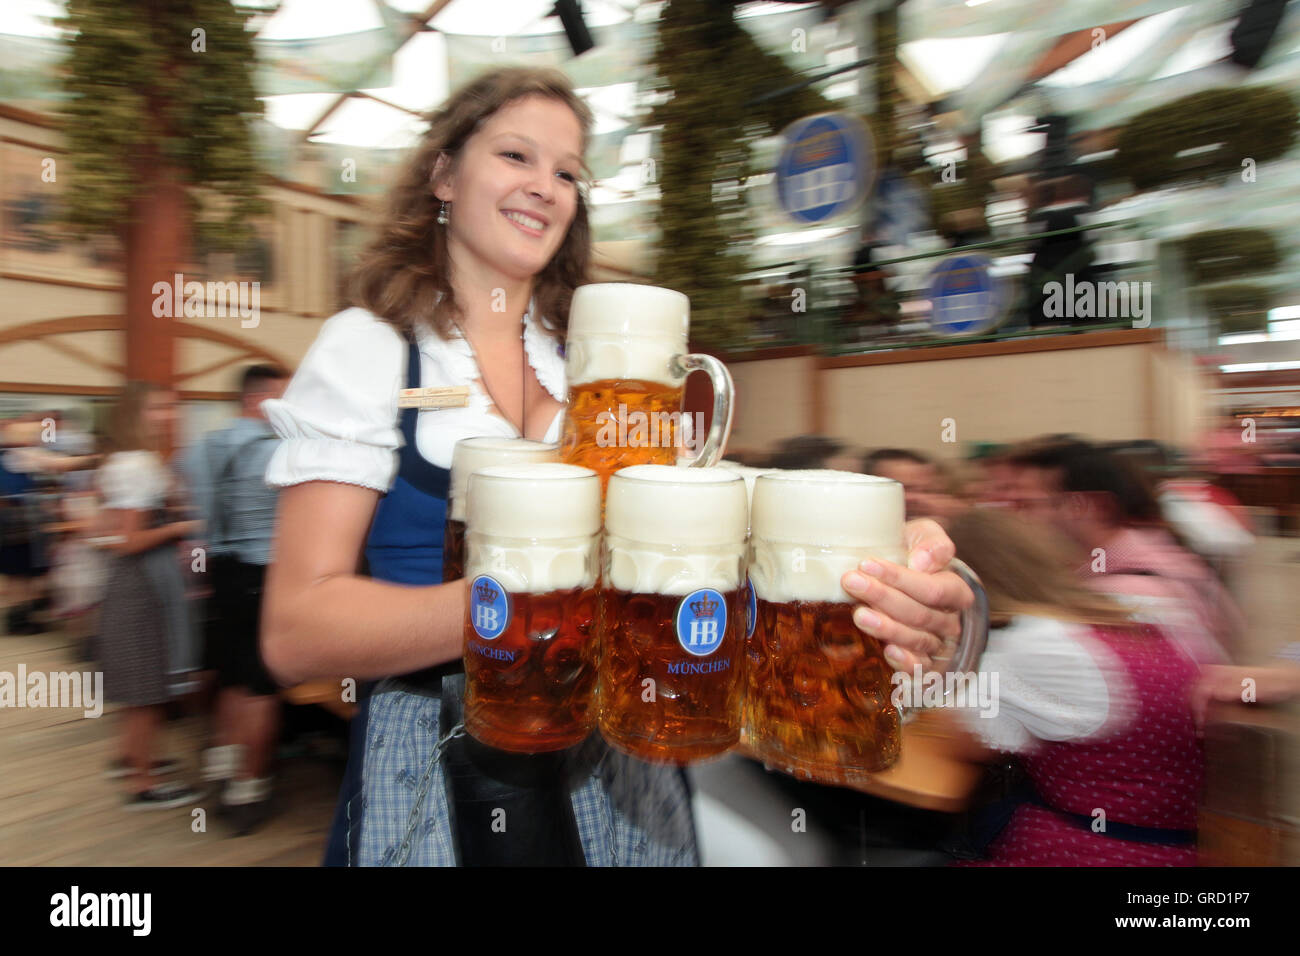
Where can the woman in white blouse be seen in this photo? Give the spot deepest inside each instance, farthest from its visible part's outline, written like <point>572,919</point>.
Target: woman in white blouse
<point>148,646</point>
<point>1097,705</point>
<point>467,285</point>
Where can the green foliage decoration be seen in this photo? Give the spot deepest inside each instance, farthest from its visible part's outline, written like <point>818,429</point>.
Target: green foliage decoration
<point>1240,307</point>
<point>141,95</point>
<point>712,70</point>
<point>1217,255</point>
<point>1256,123</point>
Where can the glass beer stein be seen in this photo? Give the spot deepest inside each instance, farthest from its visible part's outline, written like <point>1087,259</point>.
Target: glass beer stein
<point>531,644</point>
<point>626,365</point>
<point>469,456</point>
<point>672,618</point>
<point>819,690</point>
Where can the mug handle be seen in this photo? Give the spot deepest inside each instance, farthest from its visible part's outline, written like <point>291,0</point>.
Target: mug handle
<point>974,622</point>
<point>724,393</point>
<point>971,643</point>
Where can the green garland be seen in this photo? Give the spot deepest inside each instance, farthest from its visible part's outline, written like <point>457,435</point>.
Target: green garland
<point>1256,123</point>
<point>128,56</point>
<point>713,69</point>
<point>1239,308</point>
<point>1217,255</point>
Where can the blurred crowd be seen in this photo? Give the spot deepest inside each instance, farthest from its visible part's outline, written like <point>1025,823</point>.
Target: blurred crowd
<point>1113,628</point>
<point>1107,568</point>
<point>152,560</point>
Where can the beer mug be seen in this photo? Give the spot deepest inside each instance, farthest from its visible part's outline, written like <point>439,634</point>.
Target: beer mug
<point>531,644</point>
<point>819,700</point>
<point>626,365</point>
<point>672,612</point>
<point>469,456</point>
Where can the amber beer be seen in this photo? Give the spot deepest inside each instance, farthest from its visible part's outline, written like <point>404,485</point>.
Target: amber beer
<point>531,641</point>
<point>626,365</point>
<point>469,456</point>
<point>819,689</point>
<point>671,683</point>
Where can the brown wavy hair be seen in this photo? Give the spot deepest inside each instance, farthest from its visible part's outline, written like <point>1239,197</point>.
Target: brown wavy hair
<point>405,269</point>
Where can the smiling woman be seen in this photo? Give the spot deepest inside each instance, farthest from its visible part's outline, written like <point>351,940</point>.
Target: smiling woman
<point>466,286</point>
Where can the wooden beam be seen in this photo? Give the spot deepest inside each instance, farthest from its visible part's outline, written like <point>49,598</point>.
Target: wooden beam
<point>212,367</point>
<point>1070,47</point>
<point>73,352</point>
<point>1048,343</point>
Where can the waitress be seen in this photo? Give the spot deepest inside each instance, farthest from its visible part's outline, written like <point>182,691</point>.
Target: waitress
<point>467,286</point>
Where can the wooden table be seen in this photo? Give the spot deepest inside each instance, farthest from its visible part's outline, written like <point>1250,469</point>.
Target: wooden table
<point>929,774</point>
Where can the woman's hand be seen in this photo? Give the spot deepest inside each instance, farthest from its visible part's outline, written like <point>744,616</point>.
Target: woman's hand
<point>913,609</point>
<point>1268,684</point>
<point>186,529</point>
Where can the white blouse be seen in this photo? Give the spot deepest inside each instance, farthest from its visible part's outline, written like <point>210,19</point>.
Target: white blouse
<point>339,417</point>
<point>134,480</point>
<point>1055,682</point>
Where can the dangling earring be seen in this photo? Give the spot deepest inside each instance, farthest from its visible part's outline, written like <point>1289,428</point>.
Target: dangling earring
<point>442,214</point>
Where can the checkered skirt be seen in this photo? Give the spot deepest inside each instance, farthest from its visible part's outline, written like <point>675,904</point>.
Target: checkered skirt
<point>629,813</point>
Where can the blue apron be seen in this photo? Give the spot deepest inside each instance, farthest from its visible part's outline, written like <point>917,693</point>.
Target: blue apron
<point>626,812</point>
<point>404,546</point>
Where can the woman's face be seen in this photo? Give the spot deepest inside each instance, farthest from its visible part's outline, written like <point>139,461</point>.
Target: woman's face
<point>514,191</point>
<point>159,411</point>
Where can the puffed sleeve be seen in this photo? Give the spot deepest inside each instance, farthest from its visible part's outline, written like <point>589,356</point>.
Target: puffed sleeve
<point>1050,686</point>
<point>339,417</point>
<point>132,480</point>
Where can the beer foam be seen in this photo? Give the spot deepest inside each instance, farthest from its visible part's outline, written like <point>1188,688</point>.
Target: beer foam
<point>746,472</point>
<point>670,530</point>
<point>534,527</point>
<point>626,332</point>
<point>471,454</point>
<point>642,568</point>
<point>810,527</point>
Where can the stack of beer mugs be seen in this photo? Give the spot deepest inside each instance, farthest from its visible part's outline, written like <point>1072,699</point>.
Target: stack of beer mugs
<point>701,621</point>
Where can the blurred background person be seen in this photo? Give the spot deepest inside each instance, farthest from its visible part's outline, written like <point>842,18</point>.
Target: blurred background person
<point>805,451</point>
<point>22,552</point>
<point>1122,544</point>
<point>146,640</point>
<point>1097,705</point>
<point>928,491</point>
<point>226,468</point>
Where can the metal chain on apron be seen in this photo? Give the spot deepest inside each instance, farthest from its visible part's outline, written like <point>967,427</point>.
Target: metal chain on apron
<point>413,820</point>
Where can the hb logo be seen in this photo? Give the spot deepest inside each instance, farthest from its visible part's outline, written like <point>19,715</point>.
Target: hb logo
<point>701,621</point>
<point>489,607</point>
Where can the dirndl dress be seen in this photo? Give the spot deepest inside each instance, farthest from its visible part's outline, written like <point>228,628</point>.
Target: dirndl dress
<point>396,810</point>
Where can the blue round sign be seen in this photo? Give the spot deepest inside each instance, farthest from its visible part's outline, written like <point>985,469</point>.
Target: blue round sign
<point>489,607</point>
<point>826,167</point>
<point>701,622</point>
<point>965,297</point>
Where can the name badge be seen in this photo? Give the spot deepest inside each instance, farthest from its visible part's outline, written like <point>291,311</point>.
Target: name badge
<point>448,396</point>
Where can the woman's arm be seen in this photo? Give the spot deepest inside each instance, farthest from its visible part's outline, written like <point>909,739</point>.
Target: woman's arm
<point>127,525</point>
<point>320,619</point>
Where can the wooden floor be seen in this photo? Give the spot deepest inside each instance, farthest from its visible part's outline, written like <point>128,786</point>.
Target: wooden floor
<point>56,808</point>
